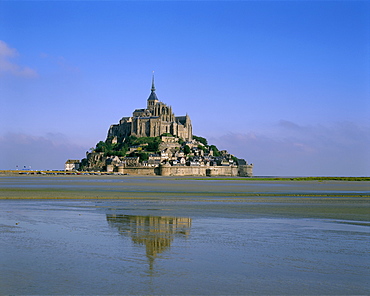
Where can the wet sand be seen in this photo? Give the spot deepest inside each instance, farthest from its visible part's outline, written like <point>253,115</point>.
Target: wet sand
<point>127,235</point>
<point>312,199</point>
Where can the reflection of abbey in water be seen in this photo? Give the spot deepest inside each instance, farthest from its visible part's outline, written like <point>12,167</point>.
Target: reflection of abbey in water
<point>156,233</point>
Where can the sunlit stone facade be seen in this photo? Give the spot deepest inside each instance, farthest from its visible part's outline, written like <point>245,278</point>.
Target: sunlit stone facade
<point>154,121</point>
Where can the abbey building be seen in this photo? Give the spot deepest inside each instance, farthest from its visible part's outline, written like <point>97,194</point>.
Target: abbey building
<point>157,119</point>
<point>153,141</point>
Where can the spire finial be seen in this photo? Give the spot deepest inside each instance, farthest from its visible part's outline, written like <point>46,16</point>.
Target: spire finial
<point>153,87</point>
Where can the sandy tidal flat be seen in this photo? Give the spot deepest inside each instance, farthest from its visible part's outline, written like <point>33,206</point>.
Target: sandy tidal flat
<point>319,199</point>
<point>126,235</point>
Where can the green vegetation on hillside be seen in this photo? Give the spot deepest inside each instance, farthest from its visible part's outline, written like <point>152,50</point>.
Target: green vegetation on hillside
<point>201,140</point>
<point>143,147</point>
<point>148,145</point>
<point>216,152</point>
<point>120,149</point>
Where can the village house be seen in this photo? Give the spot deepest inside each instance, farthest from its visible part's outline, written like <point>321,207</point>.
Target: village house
<point>72,165</point>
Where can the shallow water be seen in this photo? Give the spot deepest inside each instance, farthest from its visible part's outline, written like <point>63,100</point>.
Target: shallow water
<point>188,245</point>
<point>119,247</point>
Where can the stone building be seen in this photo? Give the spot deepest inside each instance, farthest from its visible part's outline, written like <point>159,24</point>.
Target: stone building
<point>170,150</point>
<point>154,121</point>
<point>72,165</point>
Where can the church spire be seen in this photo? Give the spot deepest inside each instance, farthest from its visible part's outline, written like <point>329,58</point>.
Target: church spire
<point>152,100</point>
<point>153,87</point>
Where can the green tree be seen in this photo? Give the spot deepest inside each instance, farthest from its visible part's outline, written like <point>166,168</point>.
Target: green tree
<point>152,147</point>
<point>132,154</point>
<point>143,156</point>
<point>216,152</point>
<point>167,135</point>
<point>123,151</point>
<point>186,149</point>
<point>130,140</point>
<point>201,140</point>
<point>100,147</point>
<point>83,164</point>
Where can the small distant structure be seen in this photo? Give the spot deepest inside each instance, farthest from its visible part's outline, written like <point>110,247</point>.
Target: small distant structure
<point>72,165</point>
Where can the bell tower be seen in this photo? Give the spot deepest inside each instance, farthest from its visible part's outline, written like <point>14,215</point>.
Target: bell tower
<point>152,100</point>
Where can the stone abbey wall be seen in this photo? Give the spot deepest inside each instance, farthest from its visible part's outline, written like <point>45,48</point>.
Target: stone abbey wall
<point>157,119</point>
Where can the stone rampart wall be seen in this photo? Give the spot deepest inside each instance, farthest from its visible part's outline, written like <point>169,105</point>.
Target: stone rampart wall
<point>166,170</point>
<point>143,171</point>
<point>183,170</point>
<point>246,170</point>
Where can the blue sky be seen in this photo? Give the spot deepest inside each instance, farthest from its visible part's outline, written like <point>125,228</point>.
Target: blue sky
<point>283,84</point>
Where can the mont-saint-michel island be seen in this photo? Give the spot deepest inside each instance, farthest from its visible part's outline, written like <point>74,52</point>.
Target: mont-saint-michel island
<point>153,141</point>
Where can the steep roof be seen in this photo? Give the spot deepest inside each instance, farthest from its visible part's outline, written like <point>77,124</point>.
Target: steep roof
<point>72,161</point>
<point>153,96</point>
<point>181,119</point>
